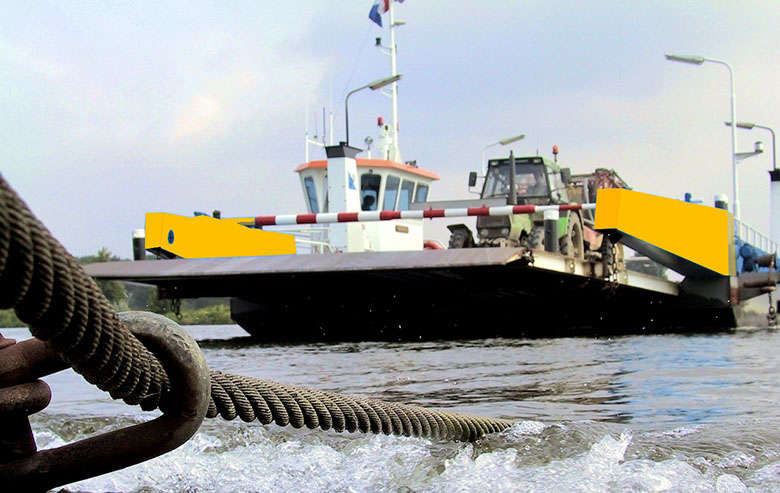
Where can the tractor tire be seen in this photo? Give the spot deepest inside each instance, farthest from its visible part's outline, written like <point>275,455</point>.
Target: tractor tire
<point>460,238</point>
<point>535,240</point>
<point>566,246</point>
<point>572,245</point>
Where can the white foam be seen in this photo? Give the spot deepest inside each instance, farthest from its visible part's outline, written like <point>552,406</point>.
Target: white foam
<point>253,458</point>
<point>728,483</point>
<point>520,430</point>
<point>766,478</point>
<point>736,459</point>
<point>676,432</point>
<point>366,463</point>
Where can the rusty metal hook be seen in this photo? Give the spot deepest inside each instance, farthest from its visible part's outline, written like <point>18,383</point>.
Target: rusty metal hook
<point>21,394</point>
<point>28,360</point>
<point>188,401</point>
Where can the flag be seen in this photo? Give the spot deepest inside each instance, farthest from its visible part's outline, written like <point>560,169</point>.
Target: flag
<point>379,8</point>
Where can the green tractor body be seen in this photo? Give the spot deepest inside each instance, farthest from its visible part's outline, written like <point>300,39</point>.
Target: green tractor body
<point>538,181</point>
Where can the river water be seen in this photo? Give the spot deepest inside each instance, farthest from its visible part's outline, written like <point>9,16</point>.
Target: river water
<point>636,413</point>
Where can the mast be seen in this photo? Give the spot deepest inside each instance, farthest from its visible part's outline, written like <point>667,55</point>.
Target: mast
<point>395,155</point>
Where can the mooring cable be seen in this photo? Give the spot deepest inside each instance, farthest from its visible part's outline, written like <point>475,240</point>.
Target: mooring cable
<point>63,306</point>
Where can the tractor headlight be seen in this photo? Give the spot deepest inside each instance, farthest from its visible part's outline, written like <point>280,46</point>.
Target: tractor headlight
<point>483,233</point>
<point>504,232</point>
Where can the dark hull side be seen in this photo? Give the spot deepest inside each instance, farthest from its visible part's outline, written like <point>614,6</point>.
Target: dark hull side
<point>471,293</point>
<point>465,303</point>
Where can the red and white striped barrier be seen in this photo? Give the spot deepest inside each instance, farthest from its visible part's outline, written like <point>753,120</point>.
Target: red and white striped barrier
<point>350,217</point>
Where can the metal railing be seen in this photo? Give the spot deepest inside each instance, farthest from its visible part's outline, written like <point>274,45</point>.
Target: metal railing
<point>756,238</point>
<point>311,239</point>
<point>315,239</point>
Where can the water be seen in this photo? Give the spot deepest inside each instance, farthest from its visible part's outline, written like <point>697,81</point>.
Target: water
<point>638,413</point>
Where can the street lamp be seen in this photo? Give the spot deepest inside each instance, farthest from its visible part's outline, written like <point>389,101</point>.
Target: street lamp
<point>750,126</point>
<point>377,84</point>
<point>774,177</point>
<point>503,142</point>
<point>698,60</point>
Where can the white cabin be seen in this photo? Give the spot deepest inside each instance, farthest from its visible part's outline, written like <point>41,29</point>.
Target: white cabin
<point>382,185</point>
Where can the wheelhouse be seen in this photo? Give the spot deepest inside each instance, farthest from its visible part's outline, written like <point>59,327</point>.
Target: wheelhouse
<point>383,185</point>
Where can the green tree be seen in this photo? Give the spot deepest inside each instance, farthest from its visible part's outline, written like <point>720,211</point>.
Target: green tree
<point>8,318</point>
<point>114,291</point>
<point>156,305</point>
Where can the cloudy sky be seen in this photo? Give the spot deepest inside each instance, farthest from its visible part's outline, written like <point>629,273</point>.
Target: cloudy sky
<point>109,110</point>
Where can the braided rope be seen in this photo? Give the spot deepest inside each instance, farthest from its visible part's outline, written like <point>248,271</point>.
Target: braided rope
<point>251,398</point>
<point>63,306</point>
<point>51,293</point>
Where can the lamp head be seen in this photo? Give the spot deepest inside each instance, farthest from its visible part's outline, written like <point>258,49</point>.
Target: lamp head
<point>380,83</point>
<point>745,125</point>
<point>511,139</point>
<point>696,60</point>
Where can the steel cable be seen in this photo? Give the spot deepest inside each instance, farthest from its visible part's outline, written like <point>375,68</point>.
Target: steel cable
<point>64,307</point>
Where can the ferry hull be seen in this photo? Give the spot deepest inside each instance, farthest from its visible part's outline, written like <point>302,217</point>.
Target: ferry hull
<point>458,304</point>
<point>439,294</point>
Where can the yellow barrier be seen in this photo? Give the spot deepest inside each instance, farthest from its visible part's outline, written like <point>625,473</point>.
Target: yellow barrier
<point>692,233</point>
<point>207,237</point>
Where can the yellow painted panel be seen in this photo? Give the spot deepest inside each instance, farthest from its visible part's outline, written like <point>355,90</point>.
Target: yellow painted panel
<point>154,229</point>
<point>698,233</point>
<point>207,237</point>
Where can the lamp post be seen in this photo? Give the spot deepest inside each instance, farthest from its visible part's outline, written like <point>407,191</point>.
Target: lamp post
<point>751,126</point>
<point>774,177</point>
<point>503,142</point>
<point>698,60</point>
<point>377,84</point>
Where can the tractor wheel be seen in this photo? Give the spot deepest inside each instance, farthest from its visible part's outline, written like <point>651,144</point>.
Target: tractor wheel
<point>460,238</point>
<point>535,240</point>
<point>572,245</point>
<point>566,246</point>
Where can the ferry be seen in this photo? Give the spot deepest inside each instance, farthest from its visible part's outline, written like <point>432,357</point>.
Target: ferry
<point>373,276</point>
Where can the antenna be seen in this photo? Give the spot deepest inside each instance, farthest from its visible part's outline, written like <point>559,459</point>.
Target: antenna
<point>314,138</point>
<point>306,132</point>
<point>537,131</point>
<point>330,139</point>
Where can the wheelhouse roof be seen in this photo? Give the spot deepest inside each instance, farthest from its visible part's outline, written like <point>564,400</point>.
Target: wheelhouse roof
<point>374,163</point>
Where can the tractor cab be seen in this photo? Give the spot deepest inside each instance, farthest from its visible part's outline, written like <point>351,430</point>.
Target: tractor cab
<point>537,180</point>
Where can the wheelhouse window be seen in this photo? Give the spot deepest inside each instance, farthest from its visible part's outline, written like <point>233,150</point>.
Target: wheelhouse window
<point>311,194</point>
<point>369,192</point>
<point>391,192</point>
<point>422,193</point>
<point>405,197</point>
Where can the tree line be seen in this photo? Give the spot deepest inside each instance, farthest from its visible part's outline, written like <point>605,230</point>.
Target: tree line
<point>127,296</point>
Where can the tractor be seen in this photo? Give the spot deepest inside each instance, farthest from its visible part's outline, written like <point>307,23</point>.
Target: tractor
<point>538,181</point>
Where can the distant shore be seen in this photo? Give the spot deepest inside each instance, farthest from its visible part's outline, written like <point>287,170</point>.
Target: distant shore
<point>208,315</point>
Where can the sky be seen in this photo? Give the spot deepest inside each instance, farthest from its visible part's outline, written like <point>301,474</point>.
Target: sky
<point>109,110</point>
